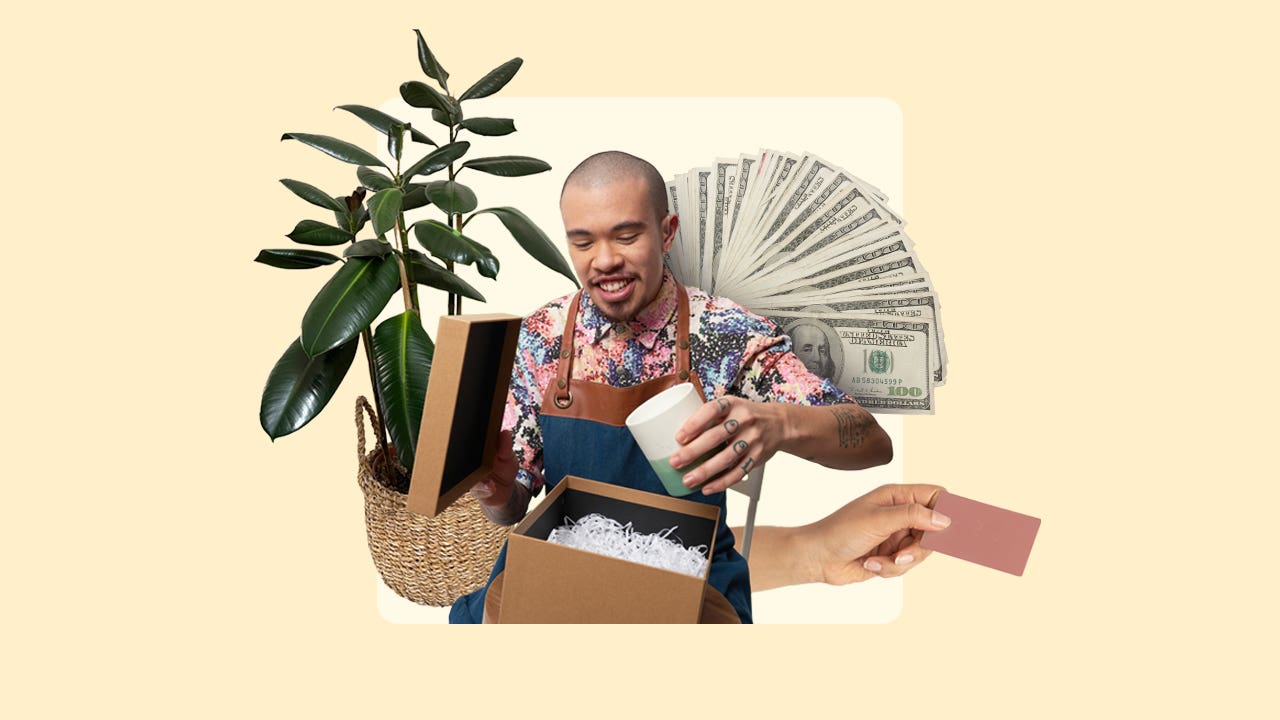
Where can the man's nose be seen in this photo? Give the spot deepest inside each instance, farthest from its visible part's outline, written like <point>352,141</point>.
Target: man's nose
<point>606,258</point>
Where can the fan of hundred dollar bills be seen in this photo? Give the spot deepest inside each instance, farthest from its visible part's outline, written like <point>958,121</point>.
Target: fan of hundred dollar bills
<point>818,251</point>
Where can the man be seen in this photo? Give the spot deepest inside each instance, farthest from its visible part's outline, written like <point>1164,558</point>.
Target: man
<point>585,360</point>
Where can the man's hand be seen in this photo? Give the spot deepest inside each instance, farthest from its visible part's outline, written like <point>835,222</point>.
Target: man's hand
<point>877,534</point>
<point>738,435</point>
<point>503,500</point>
<point>749,433</point>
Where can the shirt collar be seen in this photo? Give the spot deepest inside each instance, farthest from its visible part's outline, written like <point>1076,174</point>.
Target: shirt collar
<point>646,326</point>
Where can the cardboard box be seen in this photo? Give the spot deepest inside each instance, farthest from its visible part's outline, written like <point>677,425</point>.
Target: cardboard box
<point>549,583</point>
<point>462,414</point>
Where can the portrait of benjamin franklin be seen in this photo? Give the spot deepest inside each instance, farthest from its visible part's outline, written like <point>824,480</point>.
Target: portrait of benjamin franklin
<point>818,347</point>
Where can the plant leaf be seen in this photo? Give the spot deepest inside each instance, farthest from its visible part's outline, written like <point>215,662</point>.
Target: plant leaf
<point>395,140</point>
<point>313,195</point>
<point>299,386</point>
<point>508,165</point>
<point>373,179</point>
<point>346,304</point>
<point>333,147</point>
<point>445,242</point>
<point>426,271</point>
<point>490,126</point>
<point>291,259</point>
<point>414,198</point>
<point>493,81</point>
<point>314,232</point>
<point>422,95</point>
<point>402,353</point>
<point>533,240</point>
<point>451,196</point>
<point>368,248</point>
<point>384,206</point>
<point>382,122</point>
<point>356,222</point>
<point>430,65</point>
<point>437,159</point>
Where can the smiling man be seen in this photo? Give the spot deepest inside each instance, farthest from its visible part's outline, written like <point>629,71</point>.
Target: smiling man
<point>587,359</point>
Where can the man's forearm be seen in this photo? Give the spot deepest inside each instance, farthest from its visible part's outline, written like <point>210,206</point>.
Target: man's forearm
<point>845,437</point>
<point>512,511</point>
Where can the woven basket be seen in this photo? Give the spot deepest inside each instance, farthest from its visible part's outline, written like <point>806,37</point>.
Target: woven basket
<point>431,561</point>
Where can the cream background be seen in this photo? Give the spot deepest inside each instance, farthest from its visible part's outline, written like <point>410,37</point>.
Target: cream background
<point>1109,165</point>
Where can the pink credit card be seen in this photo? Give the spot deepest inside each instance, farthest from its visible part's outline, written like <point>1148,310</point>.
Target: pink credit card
<point>983,534</point>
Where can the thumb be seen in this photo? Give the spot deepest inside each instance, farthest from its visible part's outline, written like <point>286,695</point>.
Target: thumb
<point>909,516</point>
<point>504,461</point>
<point>506,452</point>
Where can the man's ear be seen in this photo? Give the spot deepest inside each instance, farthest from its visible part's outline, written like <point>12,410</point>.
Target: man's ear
<point>669,226</point>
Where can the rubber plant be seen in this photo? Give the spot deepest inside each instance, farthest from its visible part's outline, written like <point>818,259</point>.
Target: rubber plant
<point>379,264</point>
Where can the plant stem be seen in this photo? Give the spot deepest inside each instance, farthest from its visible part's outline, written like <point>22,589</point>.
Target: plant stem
<point>404,284</point>
<point>455,220</point>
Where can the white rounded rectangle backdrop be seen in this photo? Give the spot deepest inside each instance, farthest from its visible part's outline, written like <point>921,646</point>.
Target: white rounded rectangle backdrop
<point>862,135</point>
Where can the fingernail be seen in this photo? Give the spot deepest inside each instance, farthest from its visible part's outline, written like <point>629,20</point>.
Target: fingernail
<point>903,559</point>
<point>688,481</point>
<point>940,520</point>
<point>871,565</point>
<point>674,463</point>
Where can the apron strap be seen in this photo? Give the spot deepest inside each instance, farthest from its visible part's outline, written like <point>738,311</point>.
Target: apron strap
<point>562,393</point>
<point>562,397</point>
<point>682,334</point>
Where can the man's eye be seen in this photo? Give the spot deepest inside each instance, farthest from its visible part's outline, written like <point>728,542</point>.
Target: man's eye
<point>627,238</point>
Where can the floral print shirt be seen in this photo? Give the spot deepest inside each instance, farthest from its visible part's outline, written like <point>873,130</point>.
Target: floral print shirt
<point>733,351</point>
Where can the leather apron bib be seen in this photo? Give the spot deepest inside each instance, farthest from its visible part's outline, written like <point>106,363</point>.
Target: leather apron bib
<point>584,433</point>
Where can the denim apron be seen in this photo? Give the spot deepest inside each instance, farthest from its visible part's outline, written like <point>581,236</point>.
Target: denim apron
<point>579,419</point>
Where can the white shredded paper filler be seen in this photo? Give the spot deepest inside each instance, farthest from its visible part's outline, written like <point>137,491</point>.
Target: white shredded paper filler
<point>606,536</point>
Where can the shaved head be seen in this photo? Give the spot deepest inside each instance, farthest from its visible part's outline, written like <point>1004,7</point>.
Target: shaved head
<point>608,167</point>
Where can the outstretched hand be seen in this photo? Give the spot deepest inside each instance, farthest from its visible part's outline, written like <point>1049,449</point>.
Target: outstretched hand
<point>876,535</point>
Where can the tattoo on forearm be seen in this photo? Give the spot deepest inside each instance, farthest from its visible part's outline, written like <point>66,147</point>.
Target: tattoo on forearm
<point>731,426</point>
<point>851,425</point>
<point>740,447</point>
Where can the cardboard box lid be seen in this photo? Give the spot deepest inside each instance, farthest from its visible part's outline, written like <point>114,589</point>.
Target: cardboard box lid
<point>462,412</point>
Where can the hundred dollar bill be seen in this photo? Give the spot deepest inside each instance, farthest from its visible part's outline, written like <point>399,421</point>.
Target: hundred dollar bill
<point>748,166</point>
<point>848,216</point>
<point>675,256</point>
<point>725,175</point>
<point>698,193</point>
<point>883,364</point>
<point>837,273</point>
<point>780,174</point>
<point>915,308</point>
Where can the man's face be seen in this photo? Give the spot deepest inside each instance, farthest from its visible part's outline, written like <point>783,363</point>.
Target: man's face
<point>616,244</point>
<point>812,349</point>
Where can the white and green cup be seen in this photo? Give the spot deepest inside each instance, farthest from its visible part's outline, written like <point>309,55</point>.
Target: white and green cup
<point>654,425</point>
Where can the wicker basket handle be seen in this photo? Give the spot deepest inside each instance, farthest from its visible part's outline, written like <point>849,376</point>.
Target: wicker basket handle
<point>365,411</point>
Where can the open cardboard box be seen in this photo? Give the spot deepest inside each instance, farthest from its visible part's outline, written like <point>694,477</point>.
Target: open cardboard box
<point>549,583</point>
<point>462,413</point>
